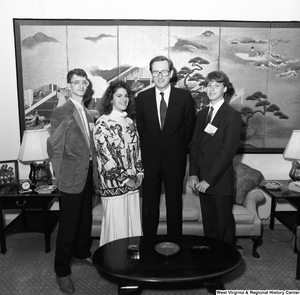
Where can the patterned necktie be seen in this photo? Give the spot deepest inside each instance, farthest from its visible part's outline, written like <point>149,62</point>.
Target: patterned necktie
<point>209,115</point>
<point>163,110</point>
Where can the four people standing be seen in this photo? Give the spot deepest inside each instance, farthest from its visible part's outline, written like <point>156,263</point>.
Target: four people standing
<point>165,118</point>
<point>72,154</point>
<point>214,144</point>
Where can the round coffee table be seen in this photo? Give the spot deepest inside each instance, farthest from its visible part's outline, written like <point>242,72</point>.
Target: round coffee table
<point>135,261</point>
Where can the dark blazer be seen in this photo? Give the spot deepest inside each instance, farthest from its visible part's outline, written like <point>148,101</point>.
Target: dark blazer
<point>69,149</point>
<point>211,156</point>
<point>167,148</point>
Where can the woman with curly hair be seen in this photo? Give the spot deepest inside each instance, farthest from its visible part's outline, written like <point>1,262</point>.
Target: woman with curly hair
<point>119,164</point>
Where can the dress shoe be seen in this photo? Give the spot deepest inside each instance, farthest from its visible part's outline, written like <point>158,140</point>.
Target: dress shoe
<point>65,284</point>
<point>87,261</point>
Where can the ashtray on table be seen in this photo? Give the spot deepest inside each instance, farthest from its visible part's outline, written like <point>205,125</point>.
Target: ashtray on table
<point>167,248</point>
<point>45,189</point>
<point>269,184</point>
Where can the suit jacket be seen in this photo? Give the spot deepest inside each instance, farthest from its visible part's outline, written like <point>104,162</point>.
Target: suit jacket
<point>211,156</point>
<point>69,149</point>
<point>165,149</point>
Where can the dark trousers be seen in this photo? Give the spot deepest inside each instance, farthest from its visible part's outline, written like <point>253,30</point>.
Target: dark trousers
<point>74,230</point>
<point>217,216</point>
<point>151,191</point>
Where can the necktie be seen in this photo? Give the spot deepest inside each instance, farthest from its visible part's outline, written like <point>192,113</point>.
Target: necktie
<point>209,115</point>
<point>163,110</point>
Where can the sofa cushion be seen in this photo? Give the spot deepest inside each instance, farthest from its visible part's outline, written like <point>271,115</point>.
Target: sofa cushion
<point>190,211</point>
<point>242,215</point>
<point>245,179</point>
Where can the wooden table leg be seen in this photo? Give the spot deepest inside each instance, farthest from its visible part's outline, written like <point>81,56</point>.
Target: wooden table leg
<point>272,217</point>
<point>46,225</point>
<point>2,233</point>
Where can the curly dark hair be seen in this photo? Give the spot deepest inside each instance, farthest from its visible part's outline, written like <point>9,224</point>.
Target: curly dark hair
<point>105,105</point>
<point>221,77</point>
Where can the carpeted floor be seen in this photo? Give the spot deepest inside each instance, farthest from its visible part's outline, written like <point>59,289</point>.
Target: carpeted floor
<point>26,269</point>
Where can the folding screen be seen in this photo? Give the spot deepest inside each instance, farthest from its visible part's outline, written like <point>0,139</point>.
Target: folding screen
<point>262,60</point>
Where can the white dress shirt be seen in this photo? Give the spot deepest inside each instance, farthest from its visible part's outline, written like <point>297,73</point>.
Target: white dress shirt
<point>82,113</point>
<point>216,108</point>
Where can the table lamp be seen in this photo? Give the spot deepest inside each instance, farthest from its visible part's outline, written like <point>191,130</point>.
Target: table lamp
<point>292,153</point>
<point>34,149</point>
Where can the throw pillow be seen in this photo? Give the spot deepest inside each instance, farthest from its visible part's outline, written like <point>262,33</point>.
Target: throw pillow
<point>245,179</point>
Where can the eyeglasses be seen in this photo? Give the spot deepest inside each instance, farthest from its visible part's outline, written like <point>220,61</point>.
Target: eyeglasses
<point>83,83</point>
<point>164,73</point>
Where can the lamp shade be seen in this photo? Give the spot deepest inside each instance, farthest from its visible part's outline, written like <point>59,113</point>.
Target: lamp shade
<point>292,150</point>
<point>34,145</point>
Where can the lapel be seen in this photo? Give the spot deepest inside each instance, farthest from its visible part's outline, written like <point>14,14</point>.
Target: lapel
<point>221,114</point>
<point>171,107</point>
<point>153,108</point>
<point>78,120</point>
<point>204,136</point>
<point>91,125</point>
<point>218,119</point>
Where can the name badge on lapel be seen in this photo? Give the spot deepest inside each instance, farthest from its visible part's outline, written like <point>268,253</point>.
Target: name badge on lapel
<point>210,129</point>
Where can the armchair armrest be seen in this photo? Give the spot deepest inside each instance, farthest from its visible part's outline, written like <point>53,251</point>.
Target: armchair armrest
<point>252,198</point>
<point>298,238</point>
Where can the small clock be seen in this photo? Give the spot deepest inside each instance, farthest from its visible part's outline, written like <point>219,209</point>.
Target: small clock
<point>25,186</point>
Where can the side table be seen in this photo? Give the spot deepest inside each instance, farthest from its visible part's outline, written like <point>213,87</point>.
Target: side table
<point>35,215</point>
<point>289,218</point>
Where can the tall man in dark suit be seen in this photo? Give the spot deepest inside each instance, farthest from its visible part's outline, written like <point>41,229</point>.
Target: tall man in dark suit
<point>71,151</point>
<point>214,144</point>
<point>165,119</point>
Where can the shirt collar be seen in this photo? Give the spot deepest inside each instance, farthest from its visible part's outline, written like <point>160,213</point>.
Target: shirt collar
<point>166,95</point>
<point>117,114</point>
<point>217,105</point>
<point>77,104</point>
<point>166,91</point>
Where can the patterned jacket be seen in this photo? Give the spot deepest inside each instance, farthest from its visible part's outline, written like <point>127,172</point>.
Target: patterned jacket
<point>118,153</point>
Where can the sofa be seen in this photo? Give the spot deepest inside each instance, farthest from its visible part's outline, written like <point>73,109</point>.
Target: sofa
<point>247,197</point>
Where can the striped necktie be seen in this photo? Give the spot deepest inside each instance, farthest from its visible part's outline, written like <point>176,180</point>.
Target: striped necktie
<point>209,115</point>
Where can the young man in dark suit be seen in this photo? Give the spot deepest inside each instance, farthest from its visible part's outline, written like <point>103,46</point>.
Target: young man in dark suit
<point>214,144</point>
<point>72,154</point>
<point>165,118</point>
